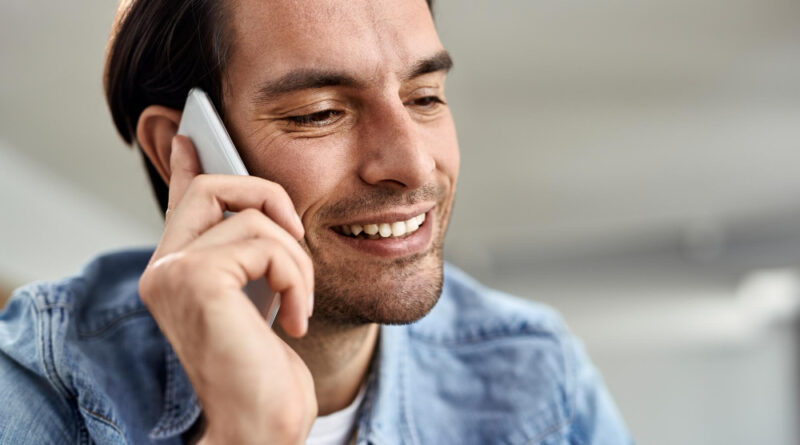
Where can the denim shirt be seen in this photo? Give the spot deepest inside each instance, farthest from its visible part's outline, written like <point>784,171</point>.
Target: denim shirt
<point>82,361</point>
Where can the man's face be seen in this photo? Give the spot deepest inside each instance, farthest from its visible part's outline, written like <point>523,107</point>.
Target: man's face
<point>342,103</point>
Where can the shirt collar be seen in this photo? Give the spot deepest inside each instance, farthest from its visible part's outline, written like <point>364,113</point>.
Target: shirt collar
<point>384,417</point>
<point>181,407</point>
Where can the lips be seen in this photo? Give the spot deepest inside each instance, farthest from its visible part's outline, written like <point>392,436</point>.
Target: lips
<point>394,237</point>
<point>380,230</point>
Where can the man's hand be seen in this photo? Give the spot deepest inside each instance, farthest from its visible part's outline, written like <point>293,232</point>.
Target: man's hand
<point>253,387</point>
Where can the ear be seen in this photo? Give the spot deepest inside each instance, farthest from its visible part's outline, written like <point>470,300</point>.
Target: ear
<point>155,130</point>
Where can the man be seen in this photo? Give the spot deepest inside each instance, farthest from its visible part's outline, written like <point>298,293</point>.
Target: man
<point>338,110</point>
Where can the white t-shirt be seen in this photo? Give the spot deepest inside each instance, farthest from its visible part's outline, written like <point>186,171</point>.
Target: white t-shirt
<point>336,428</point>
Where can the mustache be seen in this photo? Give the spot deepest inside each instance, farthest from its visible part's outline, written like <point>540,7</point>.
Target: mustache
<point>380,199</point>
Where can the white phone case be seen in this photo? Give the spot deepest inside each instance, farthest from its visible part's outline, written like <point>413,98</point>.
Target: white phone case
<point>217,155</point>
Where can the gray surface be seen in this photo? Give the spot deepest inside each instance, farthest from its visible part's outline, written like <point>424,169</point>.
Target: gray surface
<point>626,162</point>
<point>577,120</point>
<point>686,360</point>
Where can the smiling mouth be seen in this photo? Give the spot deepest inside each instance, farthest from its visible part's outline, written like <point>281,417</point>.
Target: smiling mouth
<point>375,231</point>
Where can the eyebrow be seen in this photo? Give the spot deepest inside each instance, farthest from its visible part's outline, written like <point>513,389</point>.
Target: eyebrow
<point>440,61</point>
<point>310,78</point>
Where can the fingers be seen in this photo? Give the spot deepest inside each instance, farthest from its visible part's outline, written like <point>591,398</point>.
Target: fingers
<point>251,223</point>
<point>198,201</point>
<point>184,166</point>
<point>220,193</point>
<point>265,231</point>
<point>215,281</point>
<point>209,196</point>
<point>262,257</point>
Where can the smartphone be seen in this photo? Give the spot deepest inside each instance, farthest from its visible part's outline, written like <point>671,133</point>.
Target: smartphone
<point>217,155</point>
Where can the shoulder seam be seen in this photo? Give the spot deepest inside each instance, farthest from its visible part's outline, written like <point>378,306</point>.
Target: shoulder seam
<point>521,331</point>
<point>103,419</point>
<point>46,356</point>
<point>552,430</point>
<point>44,336</point>
<point>45,344</point>
<point>138,312</point>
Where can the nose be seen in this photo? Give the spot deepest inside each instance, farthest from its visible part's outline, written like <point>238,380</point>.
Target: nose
<point>393,150</point>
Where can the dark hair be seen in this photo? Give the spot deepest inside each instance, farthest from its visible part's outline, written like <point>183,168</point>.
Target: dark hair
<point>158,50</point>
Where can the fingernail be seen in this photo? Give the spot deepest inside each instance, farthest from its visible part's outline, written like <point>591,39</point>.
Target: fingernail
<point>311,305</point>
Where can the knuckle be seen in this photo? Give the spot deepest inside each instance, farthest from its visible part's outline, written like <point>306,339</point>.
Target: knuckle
<point>267,245</point>
<point>251,213</point>
<point>160,276</point>
<point>201,184</point>
<point>255,223</point>
<point>150,280</point>
<point>178,273</point>
<point>252,218</point>
<point>259,225</point>
<point>146,287</point>
<point>187,265</point>
<point>177,266</point>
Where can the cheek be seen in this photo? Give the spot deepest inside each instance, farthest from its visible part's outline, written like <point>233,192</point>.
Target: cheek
<point>443,141</point>
<point>309,169</point>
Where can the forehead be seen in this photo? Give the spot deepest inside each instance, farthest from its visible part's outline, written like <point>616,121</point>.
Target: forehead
<point>361,36</point>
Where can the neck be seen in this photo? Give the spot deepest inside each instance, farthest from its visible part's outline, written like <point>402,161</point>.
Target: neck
<point>338,358</point>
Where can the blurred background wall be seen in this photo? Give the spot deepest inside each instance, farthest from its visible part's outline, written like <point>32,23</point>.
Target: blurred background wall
<point>633,164</point>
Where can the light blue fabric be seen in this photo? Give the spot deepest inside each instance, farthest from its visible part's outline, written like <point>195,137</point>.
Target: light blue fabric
<point>82,361</point>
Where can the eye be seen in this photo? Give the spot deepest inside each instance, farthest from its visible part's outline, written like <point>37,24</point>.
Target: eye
<point>427,102</point>
<point>318,119</point>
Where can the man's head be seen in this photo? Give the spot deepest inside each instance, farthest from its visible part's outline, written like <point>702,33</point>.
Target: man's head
<point>339,101</point>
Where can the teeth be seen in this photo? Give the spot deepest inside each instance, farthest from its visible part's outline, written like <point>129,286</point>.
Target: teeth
<point>412,224</point>
<point>384,230</point>
<point>399,228</point>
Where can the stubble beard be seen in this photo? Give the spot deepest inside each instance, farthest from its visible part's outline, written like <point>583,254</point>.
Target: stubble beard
<point>351,293</point>
<point>400,291</point>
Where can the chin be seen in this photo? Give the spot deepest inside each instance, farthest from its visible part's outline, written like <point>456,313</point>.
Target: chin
<point>399,292</point>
